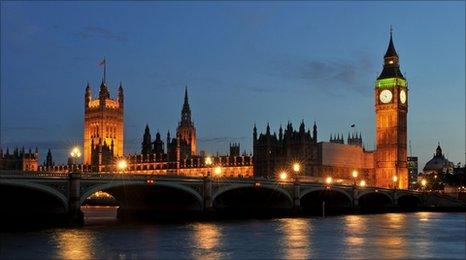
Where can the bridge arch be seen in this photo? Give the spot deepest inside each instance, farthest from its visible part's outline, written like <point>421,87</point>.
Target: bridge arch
<point>373,192</point>
<point>39,187</point>
<point>116,184</point>
<point>409,200</point>
<point>255,198</point>
<point>241,186</point>
<point>336,189</point>
<point>375,201</point>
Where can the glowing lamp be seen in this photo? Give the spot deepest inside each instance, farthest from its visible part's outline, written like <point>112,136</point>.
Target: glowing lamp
<point>296,167</point>
<point>283,176</point>
<point>362,183</point>
<point>122,165</point>
<point>208,161</point>
<point>329,180</point>
<point>75,152</point>
<point>218,170</point>
<point>423,182</point>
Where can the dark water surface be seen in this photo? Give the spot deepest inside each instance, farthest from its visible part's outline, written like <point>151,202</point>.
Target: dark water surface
<point>392,235</point>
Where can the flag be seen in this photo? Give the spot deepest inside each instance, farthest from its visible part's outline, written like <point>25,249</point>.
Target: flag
<point>103,62</point>
<point>352,125</point>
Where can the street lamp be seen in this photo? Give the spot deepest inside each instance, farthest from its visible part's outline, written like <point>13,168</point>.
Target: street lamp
<point>329,180</point>
<point>362,183</point>
<point>75,154</point>
<point>218,171</point>
<point>122,165</point>
<point>208,161</point>
<point>395,179</point>
<point>296,169</point>
<point>355,176</point>
<point>423,183</point>
<point>283,175</point>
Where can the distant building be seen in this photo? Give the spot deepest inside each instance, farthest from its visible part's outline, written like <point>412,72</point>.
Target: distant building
<point>19,160</point>
<point>413,171</point>
<point>274,153</point>
<point>318,160</point>
<point>439,164</point>
<point>339,160</point>
<point>180,155</point>
<point>174,156</point>
<point>438,170</point>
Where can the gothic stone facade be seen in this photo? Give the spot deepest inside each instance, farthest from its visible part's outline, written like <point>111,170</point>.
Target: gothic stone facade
<point>103,126</point>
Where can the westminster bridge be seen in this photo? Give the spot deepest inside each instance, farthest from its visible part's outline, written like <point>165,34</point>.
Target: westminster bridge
<point>32,194</point>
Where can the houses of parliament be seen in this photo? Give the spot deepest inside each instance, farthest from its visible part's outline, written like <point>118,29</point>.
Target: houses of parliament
<point>103,142</point>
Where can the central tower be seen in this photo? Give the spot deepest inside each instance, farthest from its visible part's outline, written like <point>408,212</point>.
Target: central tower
<point>391,108</point>
<point>103,126</point>
<point>186,132</point>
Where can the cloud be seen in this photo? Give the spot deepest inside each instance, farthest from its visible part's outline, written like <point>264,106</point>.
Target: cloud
<point>220,139</point>
<point>328,75</point>
<point>100,32</point>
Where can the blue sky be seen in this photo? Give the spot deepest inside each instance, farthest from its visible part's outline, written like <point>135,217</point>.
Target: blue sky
<point>243,62</point>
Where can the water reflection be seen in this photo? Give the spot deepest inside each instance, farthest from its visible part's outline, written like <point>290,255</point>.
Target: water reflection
<point>74,244</point>
<point>207,238</point>
<point>295,242</point>
<point>423,216</point>
<point>355,227</point>
<point>378,236</point>
<point>392,236</point>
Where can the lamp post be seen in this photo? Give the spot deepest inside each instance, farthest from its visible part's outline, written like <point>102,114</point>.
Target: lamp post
<point>75,154</point>
<point>423,184</point>
<point>329,180</point>
<point>362,183</point>
<point>208,163</point>
<point>395,180</point>
<point>296,169</point>
<point>283,176</point>
<point>218,171</point>
<point>122,165</point>
<point>355,177</point>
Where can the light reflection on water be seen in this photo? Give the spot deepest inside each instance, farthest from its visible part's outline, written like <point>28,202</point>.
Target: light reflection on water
<point>389,236</point>
<point>74,244</point>
<point>295,240</point>
<point>207,238</point>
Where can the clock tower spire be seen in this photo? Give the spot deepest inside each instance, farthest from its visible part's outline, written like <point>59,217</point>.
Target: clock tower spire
<point>391,110</point>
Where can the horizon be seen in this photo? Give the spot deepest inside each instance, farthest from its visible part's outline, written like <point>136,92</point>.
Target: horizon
<point>316,80</point>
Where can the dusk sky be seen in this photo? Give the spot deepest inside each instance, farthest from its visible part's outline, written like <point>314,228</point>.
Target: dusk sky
<point>243,62</point>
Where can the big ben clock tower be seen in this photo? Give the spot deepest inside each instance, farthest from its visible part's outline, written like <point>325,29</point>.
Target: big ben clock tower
<point>391,108</point>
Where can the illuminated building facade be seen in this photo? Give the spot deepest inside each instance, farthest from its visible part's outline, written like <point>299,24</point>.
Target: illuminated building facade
<point>318,160</point>
<point>103,142</point>
<point>175,156</point>
<point>103,126</point>
<point>391,108</point>
<point>274,154</point>
<point>178,155</point>
<point>186,132</point>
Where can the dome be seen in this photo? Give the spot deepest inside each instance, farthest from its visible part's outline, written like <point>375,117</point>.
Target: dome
<point>438,163</point>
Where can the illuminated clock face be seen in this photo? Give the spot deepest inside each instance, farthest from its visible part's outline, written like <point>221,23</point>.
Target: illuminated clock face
<point>403,96</point>
<point>386,96</point>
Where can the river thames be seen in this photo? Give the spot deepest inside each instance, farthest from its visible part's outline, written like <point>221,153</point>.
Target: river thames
<point>390,235</point>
